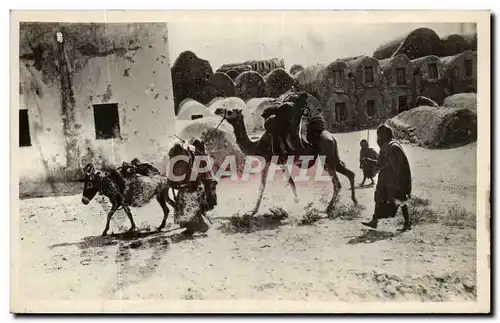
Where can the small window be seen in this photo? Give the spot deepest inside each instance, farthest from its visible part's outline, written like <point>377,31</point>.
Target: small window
<point>401,76</point>
<point>340,112</point>
<point>433,71</point>
<point>337,77</point>
<point>402,104</point>
<point>468,67</point>
<point>106,120</point>
<point>196,116</point>
<point>24,129</point>
<point>369,74</point>
<point>370,107</point>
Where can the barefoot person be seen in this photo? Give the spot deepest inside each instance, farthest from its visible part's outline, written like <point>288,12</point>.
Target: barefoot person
<point>394,179</point>
<point>367,162</point>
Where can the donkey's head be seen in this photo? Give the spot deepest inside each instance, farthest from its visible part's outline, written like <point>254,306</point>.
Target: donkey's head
<point>92,184</point>
<point>128,169</point>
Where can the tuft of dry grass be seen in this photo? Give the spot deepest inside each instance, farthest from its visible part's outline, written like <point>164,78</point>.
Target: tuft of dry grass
<point>421,213</point>
<point>311,216</point>
<point>417,201</point>
<point>459,217</point>
<point>341,211</point>
<point>346,212</point>
<point>247,222</point>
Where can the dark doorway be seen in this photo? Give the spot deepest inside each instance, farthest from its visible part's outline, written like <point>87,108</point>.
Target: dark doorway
<point>370,108</point>
<point>340,112</point>
<point>403,104</point>
<point>106,120</point>
<point>24,129</point>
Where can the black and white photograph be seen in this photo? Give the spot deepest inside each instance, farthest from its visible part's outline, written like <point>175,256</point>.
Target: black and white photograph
<point>272,158</point>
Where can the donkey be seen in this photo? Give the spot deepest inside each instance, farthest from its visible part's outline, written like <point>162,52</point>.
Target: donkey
<point>135,191</point>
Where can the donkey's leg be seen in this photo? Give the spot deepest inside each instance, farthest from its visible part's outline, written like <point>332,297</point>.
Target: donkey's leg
<point>130,217</point>
<point>340,167</point>
<point>161,198</point>
<point>286,172</point>
<point>114,207</point>
<point>263,179</point>
<point>169,200</point>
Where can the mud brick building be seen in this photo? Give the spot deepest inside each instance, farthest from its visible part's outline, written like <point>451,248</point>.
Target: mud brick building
<point>367,92</point>
<point>428,73</point>
<point>330,84</point>
<point>459,72</point>
<point>399,81</point>
<point>93,93</point>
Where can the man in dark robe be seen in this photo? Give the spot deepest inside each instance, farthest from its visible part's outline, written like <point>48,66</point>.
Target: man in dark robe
<point>394,180</point>
<point>367,162</point>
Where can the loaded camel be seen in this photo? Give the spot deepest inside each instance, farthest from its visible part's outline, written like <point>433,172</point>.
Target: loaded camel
<point>135,184</point>
<point>297,135</point>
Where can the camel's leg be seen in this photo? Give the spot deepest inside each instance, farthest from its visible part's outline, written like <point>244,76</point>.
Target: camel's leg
<point>114,207</point>
<point>340,167</point>
<point>161,200</point>
<point>363,182</point>
<point>292,184</point>
<point>336,189</point>
<point>263,179</point>
<point>130,217</point>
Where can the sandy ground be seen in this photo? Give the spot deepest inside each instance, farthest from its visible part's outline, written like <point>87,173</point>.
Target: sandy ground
<point>63,256</point>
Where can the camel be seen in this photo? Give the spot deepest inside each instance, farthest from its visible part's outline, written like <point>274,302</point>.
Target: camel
<point>322,143</point>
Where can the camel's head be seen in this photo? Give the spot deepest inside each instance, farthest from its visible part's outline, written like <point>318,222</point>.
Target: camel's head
<point>232,116</point>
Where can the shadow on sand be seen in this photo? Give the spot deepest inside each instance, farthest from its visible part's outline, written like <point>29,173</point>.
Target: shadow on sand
<point>131,247</point>
<point>133,239</point>
<point>371,236</point>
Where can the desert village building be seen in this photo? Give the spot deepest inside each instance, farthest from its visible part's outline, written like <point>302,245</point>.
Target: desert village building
<point>459,72</point>
<point>93,93</point>
<point>250,85</point>
<point>367,93</point>
<point>295,68</point>
<point>190,75</point>
<point>262,67</point>
<point>428,81</point>
<point>278,82</point>
<point>220,85</point>
<point>398,76</point>
<point>454,44</point>
<point>329,84</point>
<point>190,109</point>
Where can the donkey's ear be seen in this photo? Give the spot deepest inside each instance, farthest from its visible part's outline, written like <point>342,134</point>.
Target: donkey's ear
<point>238,111</point>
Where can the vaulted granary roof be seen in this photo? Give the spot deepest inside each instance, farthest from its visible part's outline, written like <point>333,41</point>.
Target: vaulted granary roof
<point>420,42</point>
